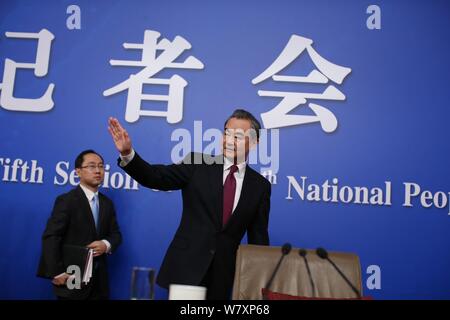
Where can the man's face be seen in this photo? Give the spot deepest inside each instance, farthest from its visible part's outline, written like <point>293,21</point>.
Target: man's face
<point>91,172</point>
<point>237,140</point>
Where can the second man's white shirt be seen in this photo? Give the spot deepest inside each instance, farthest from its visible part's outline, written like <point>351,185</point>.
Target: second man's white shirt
<point>89,195</point>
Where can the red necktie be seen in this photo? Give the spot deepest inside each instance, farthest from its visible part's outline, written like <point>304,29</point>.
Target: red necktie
<point>229,189</point>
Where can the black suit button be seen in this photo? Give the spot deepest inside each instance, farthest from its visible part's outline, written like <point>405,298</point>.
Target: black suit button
<point>212,251</point>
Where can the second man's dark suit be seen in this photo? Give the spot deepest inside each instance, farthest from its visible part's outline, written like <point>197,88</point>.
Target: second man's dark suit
<point>72,223</point>
<point>202,248</point>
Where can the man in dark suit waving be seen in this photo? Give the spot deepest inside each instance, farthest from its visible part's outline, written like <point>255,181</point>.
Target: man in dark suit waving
<point>83,217</point>
<point>223,198</point>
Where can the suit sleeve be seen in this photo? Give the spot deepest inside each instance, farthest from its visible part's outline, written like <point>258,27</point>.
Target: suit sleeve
<point>51,259</point>
<point>161,177</point>
<point>257,232</point>
<point>114,235</point>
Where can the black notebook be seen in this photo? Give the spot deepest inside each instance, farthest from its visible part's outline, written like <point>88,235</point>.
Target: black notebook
<point>78,256</point>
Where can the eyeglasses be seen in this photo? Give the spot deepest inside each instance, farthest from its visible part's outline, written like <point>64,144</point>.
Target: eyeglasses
<point>92,167</point>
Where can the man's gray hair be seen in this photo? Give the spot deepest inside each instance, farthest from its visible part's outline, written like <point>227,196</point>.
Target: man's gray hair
<point>243,114</point>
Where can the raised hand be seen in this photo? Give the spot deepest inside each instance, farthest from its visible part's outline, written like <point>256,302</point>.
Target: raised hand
<point>120,136</point>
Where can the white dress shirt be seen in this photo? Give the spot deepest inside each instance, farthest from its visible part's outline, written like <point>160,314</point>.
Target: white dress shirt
<point>238,175</point>
<point>90,195</point>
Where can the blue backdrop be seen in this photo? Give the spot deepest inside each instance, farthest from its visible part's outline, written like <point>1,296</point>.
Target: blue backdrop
<point>392,127</point>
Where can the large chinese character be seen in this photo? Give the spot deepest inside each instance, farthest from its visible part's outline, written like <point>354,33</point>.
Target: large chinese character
<point>154,63</point>
<point>278,116</point>
<point>45,102</point>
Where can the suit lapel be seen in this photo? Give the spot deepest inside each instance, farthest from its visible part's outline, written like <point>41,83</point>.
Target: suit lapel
<point>102,213</point>
<point>247,187</point>
<point>216,187</point>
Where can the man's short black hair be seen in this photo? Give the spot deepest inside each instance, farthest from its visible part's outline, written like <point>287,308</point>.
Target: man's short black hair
<point>243,114</point>
<point>80,158</point>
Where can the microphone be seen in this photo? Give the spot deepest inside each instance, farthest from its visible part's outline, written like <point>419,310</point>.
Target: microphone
<point>323,254</point>
<point>303,253</point>
<point>285,249</point>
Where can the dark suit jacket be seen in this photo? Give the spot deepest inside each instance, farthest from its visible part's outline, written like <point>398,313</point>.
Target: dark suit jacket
<point>200,236</point>
<point>72,223</point>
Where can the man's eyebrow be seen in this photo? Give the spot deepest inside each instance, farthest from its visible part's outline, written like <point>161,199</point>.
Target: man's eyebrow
<point>237,132</point>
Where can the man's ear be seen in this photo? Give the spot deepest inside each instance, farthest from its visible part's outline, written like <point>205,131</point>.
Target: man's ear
<point>253,142</point>
<point>252,138</point>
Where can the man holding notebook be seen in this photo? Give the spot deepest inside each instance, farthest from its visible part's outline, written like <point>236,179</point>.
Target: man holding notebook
<point>81,219</point>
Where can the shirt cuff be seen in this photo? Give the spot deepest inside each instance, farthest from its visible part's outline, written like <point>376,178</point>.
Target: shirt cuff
<point>108,246</point>
<point>124,160</point>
